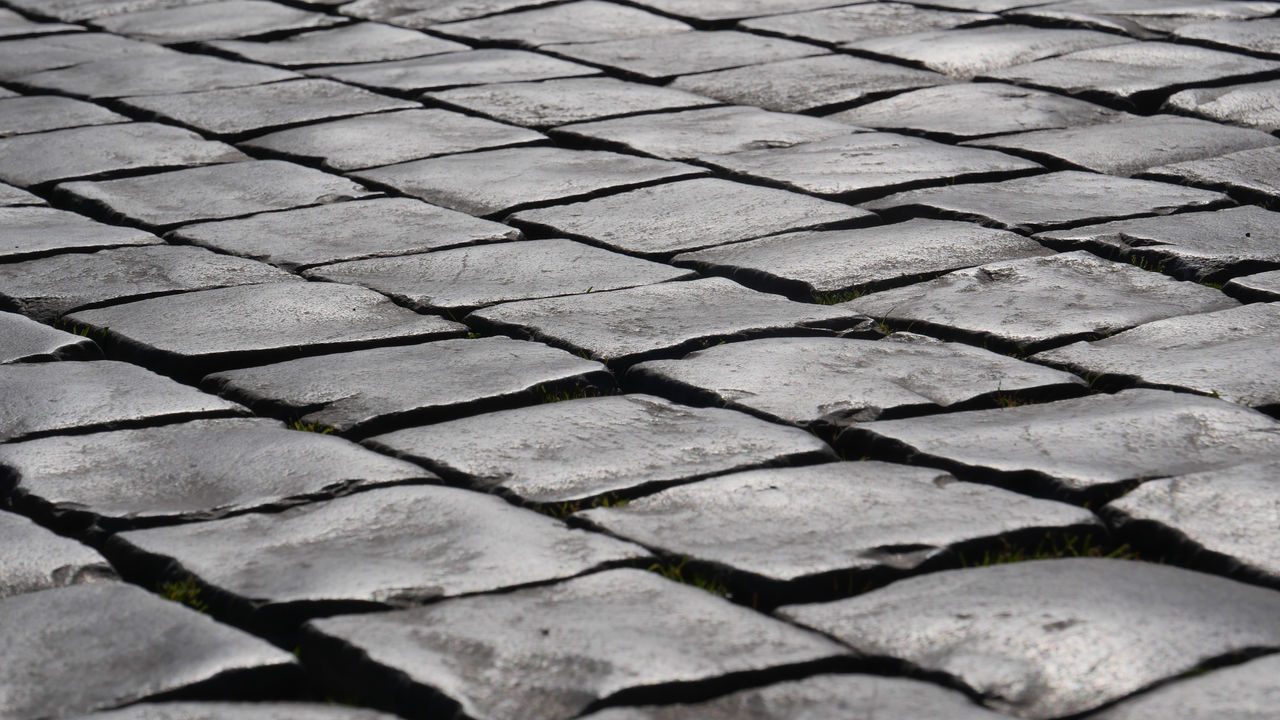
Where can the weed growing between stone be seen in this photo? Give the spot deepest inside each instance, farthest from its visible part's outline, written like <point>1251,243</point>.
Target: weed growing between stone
<point>563,510</point>
<point>186,592</point>
<point>1049,548</point>
<point>835,298</point>
<point>311,427</point>
<point>677,572</point>
<point>546,396</point>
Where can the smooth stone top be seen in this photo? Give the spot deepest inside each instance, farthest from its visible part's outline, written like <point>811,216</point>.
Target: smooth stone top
<point>14,25</point>
<point>27,232</point>
<point>25,340</point>
<point>226,19</point>
<point>473,67</point>
<point>355,43</point>
<point>1263,286</point>
<point>425,13</point>
<point>238,711</point>
<point>33,558</point>
<point>851,23</point>
<point>11,196</point>
<point>1252,105</point>
<point>23,57</point>
<point>1241,692</point>
<point>144,75</point>
<point>1142,18</point>
<point>722,10</point>
<point>1261,36</point>
<point>38,113</point>
<point>1251,173</point>
<point>581,21</point>
<point>658,57</point>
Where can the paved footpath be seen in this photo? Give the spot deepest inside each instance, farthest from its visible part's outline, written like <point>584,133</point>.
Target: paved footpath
<point>639,359</point>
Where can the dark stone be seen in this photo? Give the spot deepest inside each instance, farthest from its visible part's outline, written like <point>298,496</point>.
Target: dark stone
<point>1252,173</point>
<point>27,232</point>
<point>851,23</point>
<point>389,138</point>
<point>209,21</point>
<point>581,21</point>
<point>294,239</point>
<point>711,11</point>
<point>1240,692</point>
<point>14,25</point>
<point>658,221</point>
<point>356,43</point>
<point>551,652</point>
<point>25,340</point>
<point>804,381</point>
<point>1140,18</point>
<point>1255,105</point>
<point>474,67</point>
<point>33,559</point>
<point>97,646</point>
<point>1258,36</point>
<point>147,75</point>
<point>1264,286</point>
<point>659,57</point>
<point>38,113</point>
<point>421,14</point>
<point>238,711</point>
<point>1050,638</point>
<point>363,390</point>
<point>567,452</point>
<point>23,57</point>
<point>164,200</point>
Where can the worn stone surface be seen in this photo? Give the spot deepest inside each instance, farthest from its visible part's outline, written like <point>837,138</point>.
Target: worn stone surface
<point>570,100</point>
<point>573,450</point>
<point>357,391</point>
<point>212,20</point>
<point>356,43</point>
<point>238,711</point>
<point>355,230</point>
<point>1255,105</point>
<point>199,470</point>
<point>11,196</point>
<point>474,67</point>
<point>493,182</point>
<point>27,232</point>
<point>1259,36</point>
<point>96,646</point>
<point>1239,692</point>
<point>389,138</point>
<point>689,215</point>
<point>1251,173</point>
<point>804,381</point>
<point>25,340</point>
<point>143,75</point>
<point>549,652</point>
<point>1097,632</point>
<point>23,57</point>
<point>863,21</point>
<point>659,57</point>
<point>14,25</point>
<point>1143,18</point>
<point>33,558</point>
<point>582,21</point>
<point>1264,286</point>
<point>38,113</point>
<point>723,10</point>
<point>425,13</point>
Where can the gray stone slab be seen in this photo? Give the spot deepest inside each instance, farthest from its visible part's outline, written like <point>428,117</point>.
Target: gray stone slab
<point>1078,446</point>
<point>659,57</point>
<point>211,21</point>
<point>712,11</point>
<point>38,113</point>
<point>194,471</point>
<point>1258,36</point>
<point>474,67</point>
<point>164,200</point>
<point>808,381</point>
<point>1254,105</point>
<point>1143,18</point>
<point>1100,630</point>
<point>145,75</point>
<point>33,558</point>
<point>389,138</point>
<point>1055,200</point>
<point>365,390</point>
<point>236,111</point>
<point>46,288</point>
<point>1253,174</point>
<point>703,133</point>
<point>1240,692</point>
<point>11,196</point>
<point>91,152</point>
<point>851,23</point>
<point>557,102</point>
<point>49,398</point>
<point>13,25</point>
<point>551,652</point>
<point>25,340</point>
<point>101,645</point>
<point>82,10</point>
<point>465,278</point>
<point>425,13</point>
<point>829,82</point>
<point>380,227</point>
<point>690,215</point>
<point>26,56</point>
<point>971,110</point>
<point>570,451</point>
<point>1036,303</point>
<point>581,21</point>
<point>238,711</point>
<point>194,333</point>
<point>361,42</point>
<point>1263,286</point>
<point>27,232</point>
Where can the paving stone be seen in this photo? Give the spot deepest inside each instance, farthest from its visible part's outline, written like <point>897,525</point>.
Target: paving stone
<point>690,215</point>
<point>1255,105</point>
<point>1082,445</point>
<point>629,325</point>
<point>358,391</point>
<point>11,196</point>
<point>393,137</point>
<point>1143,18</point>
<point>1055,200</point>
<point>145,75</point>
<point>658,57</point>
<point>849,166</point>
<point>164,200</point>
<point>425,13</point>
<point>1203,246</point>
<point>33,558</point>
<point>294,239</point>
<point>1239,692</point>
<point>194,333</point>
<point>46,288</point>
<point>199,470</point>
<point>551,652</point>
<point>27,232</point>
<point>235,111</point>
<point>81,10</point>
<point>474,67</point>
<point>1264,286</point>
<point>1100,630</point>
<point>48,398</point>
<point>88,152</point>
<point>581,21</point>
<point>860,22</point>
<point>702,133</point>
<point>100,645</point>
<point>567,452</point>
<point>1037,303</point>
<point>493,182</point>
<point>989,6</point>
<point>1251,173</point>
<point>38,113</point>
<point>1133,74</point>
<point>829,82</point>
<point>31,55</point>
<point>971,110</point>
<point>1258,36</point>
<point>468,277</point>
<point>212,20</point>
<point>724,10</point>
<point>557,102</point>
<point>238,711</point>
<point>362,42</point>
<point>831,263</point>
<point>25,340</point>
<point>14,25</point>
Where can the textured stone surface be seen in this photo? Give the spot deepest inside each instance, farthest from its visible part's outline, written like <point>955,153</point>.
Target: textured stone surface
<point>723,10</point>
<point>1260,36</point>
<point>810,380</point>
<point>359,390</point>
<point>1098,631</point>
<point>424,13</point>
<point>143,75</point>
<point>355,43</point>
<point>964,53</point>
<point>549,652</point>
<point>1241,692</point>
<point>23,57</point>
<point>38,113</point>
<point>25,340</point>
<point>863,21</point>
<point>583,21</point>
<point>14,25</point>
<point>1251,173</point>
<point>238,711</point>
<point>212,20</point>
<point>33,558</point>
<point>1255,105</point>
<point>1263,286</point>
<point>474,67</point>
<point>199,470</point>
<point>1143,18</point>
<point>11,196</point>
<point>577,449</point>
<point>27,232</point>
<point>659,57</point>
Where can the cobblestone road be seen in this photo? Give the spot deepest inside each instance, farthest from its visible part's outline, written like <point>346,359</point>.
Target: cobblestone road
<point>640,359</point>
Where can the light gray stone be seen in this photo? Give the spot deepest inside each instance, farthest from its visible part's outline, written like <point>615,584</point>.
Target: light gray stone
<point>1254,105</point>
<point>212,20</point>
<point>1263,286</point>
<point>355,43</point>
<point>33,558</point>
<point>581,21</point>
<point>38,113</point>
<point>27,232</point>
<point>1142,18</point>
<point>238,711</point>
<point>14,25</point>
<point>1259,36</point>
<point>473,67</point>
<point>25,340</point>
<point>850,23</point>
<point>659,57</point>
<point>712,11</point>
<point>23,57</point>
<point>1241,692</point>
<point>145,75</point>
<point>1253,174</point>
<point>425,13</point>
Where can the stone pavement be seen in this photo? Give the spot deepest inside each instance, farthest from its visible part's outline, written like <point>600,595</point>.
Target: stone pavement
<point>639,359</point>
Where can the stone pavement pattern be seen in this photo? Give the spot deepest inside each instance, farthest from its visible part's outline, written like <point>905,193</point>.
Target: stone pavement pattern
<point>624,359</point>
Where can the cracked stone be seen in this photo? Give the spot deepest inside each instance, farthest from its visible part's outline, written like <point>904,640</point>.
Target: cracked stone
<point>723,10</point>
<point>1253,173</point>
<point>390,138</point>
<point>656,221</point>
<point>860,22</point>
<point>27,232</point>
<point>363,42</point>
<point>212,20</point>
<point>807,381</point>
<point>1239,692</point>
<point>1143,18</point>
<point>582,21</point>
<point>1259,36</point>
<point>1255,105</point>
<point>570,451</point>
<point>1100,630</point>
<point>659,57</point>
<point>239,711</point>
<point>14,25</point>
<point>1263,286</point>
<point>25,340</point>
<point>474,67</point>
<point>421,14</point>
<point>38,113</point>
<point>362,390</point>
<point>551,652</point>
<point>33,558</point>
<point>557,102</point>
<point>23,57</point>
<point>145,75</point>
